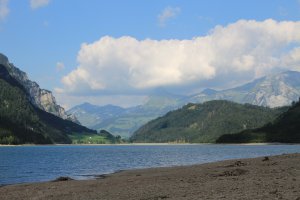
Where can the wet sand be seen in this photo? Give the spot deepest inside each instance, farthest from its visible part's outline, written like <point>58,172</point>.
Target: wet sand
<point>276,177</point>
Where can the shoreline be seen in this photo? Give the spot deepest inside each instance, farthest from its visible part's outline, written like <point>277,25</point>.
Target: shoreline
<point>271,177</point>
<point>150,144</point>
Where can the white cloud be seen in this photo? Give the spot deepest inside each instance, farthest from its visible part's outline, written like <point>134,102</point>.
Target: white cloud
<point>4,10</point>
<point>292,59</point>
<point>234,53</point>
<point>60,66</point>
<point>167,14</point>
<point>35,4</point>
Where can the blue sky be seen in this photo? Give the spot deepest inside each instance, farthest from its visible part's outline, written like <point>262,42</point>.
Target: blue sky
<point>45,39</point>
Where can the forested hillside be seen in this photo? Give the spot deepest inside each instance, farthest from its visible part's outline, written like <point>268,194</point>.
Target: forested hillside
<point>21,122</point>
<point>205,122</point>
<point>286,129</point>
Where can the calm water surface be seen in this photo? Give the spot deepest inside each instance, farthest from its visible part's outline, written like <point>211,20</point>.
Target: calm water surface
<point>20,164</point>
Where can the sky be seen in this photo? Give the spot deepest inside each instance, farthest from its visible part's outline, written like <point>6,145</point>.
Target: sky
<point>118,52</point>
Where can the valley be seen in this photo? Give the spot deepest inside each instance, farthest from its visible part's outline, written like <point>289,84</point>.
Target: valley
<point>31,115</point>
<point>28,119</point>
<point>272,91</point>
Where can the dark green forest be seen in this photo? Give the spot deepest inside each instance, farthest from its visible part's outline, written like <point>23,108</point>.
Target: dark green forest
<point>285,129</point>
<point>206,122</point>
<point>21,122</point>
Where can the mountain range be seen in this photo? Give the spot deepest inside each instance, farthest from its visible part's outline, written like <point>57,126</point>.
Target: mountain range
<point>30,115</point>
<point>124,121</point>
<point>270,91</point>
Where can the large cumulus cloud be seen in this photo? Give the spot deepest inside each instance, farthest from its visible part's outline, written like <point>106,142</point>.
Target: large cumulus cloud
<point>240,51</point>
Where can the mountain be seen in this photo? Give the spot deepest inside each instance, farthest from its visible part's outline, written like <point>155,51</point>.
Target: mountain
<point>124,121</point>
<point>22,122</point>
<point>209,91</point>
<point>40,98</point>
<point>272,91</point>
<point>286,129</point>
<point>205,122</point>
<point>91,115</point>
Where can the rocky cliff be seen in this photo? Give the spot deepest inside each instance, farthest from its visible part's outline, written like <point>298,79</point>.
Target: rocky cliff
<point>271,91</point>
<point>40,98</point>
<point>275,90</point>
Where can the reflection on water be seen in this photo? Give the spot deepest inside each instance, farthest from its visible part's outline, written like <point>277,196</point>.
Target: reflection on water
<point>42,163</point>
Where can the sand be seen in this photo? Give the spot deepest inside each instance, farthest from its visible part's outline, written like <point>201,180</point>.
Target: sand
<point>276,177</point>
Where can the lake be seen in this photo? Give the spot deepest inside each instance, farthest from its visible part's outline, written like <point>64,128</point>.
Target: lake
<point>23,164</point>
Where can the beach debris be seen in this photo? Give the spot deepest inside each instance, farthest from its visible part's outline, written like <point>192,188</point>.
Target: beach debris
<point>237,164</point>
<point>266,158</point>
<point>157,197</point>
<point>234,172</point>
<point>63,178</point>
<point>274,163</point>
<point>274,192</point>
<point>101,176</point>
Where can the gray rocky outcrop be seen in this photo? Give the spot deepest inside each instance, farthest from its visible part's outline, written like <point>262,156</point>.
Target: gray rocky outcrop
<point>40,98</point>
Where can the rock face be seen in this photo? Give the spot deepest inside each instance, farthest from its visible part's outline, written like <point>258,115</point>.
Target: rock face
<point>271,91</point>
<point>40,98</point>
<point>276,90</point>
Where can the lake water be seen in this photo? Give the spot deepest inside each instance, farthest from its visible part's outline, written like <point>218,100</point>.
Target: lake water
<point>22,164</point>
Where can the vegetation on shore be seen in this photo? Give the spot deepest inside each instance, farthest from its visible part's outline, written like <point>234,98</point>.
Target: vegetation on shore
<point>103,137</point>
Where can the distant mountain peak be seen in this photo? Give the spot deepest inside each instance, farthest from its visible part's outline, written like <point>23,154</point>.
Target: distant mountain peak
<point>274,90</point>
<point>86,104</point>
<point>209,91</point>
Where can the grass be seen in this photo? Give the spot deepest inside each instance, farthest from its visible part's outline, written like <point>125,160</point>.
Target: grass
<point>88,139</point>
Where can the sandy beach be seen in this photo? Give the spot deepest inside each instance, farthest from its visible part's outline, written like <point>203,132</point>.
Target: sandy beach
<point>276,177</point>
